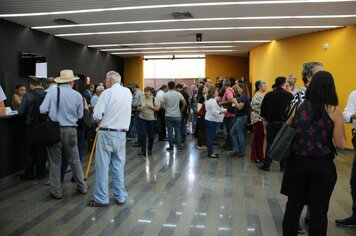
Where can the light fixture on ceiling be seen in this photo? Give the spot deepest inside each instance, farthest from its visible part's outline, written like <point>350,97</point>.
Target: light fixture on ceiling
<point>64,21</point>
<point>182,15</point>
<point>199,37</point>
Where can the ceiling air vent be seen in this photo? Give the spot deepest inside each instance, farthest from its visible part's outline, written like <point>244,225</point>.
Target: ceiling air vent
<point>64,21</point>
<point>182,15</point>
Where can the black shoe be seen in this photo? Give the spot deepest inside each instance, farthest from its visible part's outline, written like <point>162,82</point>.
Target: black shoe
<point>40,176</point>
<point>149,153</point>
<point>306,220</point>
<point>55,197</point>
<point>26,177</point>
<point>72,179</point>
<point>264,168</point>
<point>347,222</point>
<point>169,149</point>
<point>136,145</point>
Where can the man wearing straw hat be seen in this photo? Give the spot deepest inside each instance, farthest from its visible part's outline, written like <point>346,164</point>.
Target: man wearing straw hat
<point>113,113</point>
<point>69,111</point>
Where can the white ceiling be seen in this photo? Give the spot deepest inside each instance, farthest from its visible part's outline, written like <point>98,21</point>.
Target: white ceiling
<point>299,19</point>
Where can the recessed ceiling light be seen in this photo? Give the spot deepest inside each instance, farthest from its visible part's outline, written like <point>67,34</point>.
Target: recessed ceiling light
<point>200,29</point>
<point>178,5</point>
<point>172,51</point>
<point>194,20</point>
<point>172,43</point>
<point>164,48</point>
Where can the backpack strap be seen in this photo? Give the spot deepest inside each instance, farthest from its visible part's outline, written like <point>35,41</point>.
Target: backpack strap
<point>58,96</point>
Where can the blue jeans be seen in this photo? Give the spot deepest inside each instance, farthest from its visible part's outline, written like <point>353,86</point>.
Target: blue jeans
<point>110,152</point>
<point>228,123</point>
<point>147,128</point>
<point>238,134</point>
<point>353,186</point>
<point>174,122</point>
<point>272,130</point>
<point>210,135</point>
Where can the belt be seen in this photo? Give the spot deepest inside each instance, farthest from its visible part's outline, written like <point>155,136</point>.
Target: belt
<point>112,130</point>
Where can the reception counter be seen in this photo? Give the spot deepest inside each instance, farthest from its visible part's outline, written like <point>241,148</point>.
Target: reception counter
<point>12,144</point>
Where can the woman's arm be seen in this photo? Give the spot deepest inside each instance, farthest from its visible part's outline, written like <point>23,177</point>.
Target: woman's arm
<point>16,101</point>
<point>339,131</point>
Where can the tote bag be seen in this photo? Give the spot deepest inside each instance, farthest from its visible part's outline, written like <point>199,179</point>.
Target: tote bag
<point>282,144</point>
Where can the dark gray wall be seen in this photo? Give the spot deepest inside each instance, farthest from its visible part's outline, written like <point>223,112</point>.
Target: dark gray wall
<point>60,53</point>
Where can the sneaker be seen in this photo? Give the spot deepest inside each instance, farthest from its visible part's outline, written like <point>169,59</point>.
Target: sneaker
<point>347,222</point>
<point>201,147</point>
<point>214,155</point>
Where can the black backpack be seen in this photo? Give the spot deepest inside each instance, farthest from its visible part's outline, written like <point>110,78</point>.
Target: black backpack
<point>37,117</point>
<point>45,131</point>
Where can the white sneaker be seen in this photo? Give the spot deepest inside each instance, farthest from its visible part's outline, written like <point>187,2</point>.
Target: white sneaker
<point>201,147</point>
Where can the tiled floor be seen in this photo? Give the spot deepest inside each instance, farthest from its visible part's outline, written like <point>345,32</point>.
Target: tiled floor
<point>177,193</point>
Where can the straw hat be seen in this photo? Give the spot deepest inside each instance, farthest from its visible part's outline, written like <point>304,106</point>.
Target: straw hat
<point>65,76</point>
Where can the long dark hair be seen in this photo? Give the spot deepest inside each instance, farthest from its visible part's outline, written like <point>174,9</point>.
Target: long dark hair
<point>321,92</point>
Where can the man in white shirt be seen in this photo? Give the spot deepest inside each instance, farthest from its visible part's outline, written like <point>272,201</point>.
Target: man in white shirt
<point>113,113</point>
<point>2,103</point>
<point>350,117</point>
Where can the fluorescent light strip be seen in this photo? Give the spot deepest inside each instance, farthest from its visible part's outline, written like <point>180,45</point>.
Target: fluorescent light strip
<point>172,6</point>
<point>194,20</point>
<point>199,29</point>
<point>169,43</point>
<point>158,48</point>
<point>188,51</point>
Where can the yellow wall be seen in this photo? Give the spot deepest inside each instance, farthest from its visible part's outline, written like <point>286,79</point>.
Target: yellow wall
<point>286,56</point>
<point>226,66</point>
<point>133,71</point>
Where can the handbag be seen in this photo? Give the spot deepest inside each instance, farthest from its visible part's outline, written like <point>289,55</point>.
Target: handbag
<point>86,121</point>
<point>202,111</point>
<point>48,131</point>
<point>281,147</point>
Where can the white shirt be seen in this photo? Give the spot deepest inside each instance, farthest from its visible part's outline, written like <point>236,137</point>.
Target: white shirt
<point>114,108</point>
<point>159,95</point>
<point>213,110</point>
<point>2,95</point>
<point>350,108</point>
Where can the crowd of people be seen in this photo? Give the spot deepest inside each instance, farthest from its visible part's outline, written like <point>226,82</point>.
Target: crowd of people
<point>126,113</point>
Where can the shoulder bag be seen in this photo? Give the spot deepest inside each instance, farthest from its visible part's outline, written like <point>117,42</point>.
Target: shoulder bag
<point>282,144</point>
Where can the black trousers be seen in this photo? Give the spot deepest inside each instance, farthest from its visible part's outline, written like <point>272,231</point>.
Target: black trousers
<point>200,131</point>
<point>161,124</point>
<point>311,181</point>
<point>35,156</point>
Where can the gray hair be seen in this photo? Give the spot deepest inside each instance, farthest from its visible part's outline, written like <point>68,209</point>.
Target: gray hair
<point>114,77</point>
<point>308,70</point>
<point>100,88</point>
<point>227,82</point>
